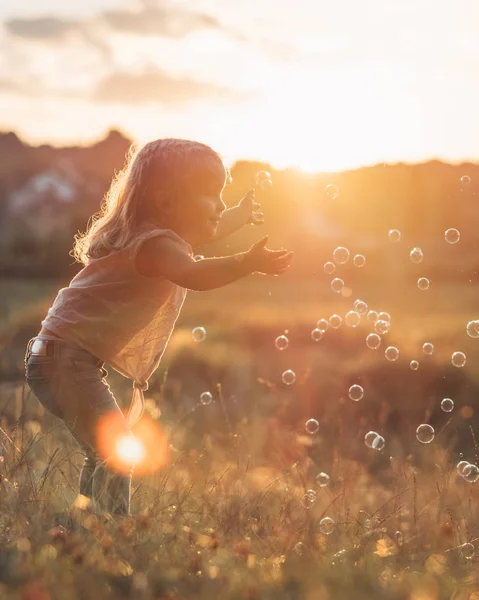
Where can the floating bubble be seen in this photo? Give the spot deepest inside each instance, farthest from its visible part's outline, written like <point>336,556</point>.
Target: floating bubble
<point>198,257</point>
<point>471,473</point>
<point>329,267</point>
<point>263,179</point>
<point>359,260</point>
<point>327,525</point>
<point>461,467</point>
<point>299,549</point>
<point>423,283</point>
<point>382,327</point>
<point>468,551</point>
<point>465,180</point>
<point>289,377</point>
<point>378,443</point>
<point>399,538</point>
<point>332,191</point>
<point>353,318</point>
<point>361,306</point>
<point>370,437</point>
<point>425,434</point>
<point>447,405</point>
<point>384,316</point>
<point>312,426</point>
<point>373,341</point>
<point>452,236</point>
<point>281,342</point>
<point>414,365</point>
<point>416,255</point>
<point>322,325</point>
<point>341,255</point>
<point>356,392</point>
<point>391,353</point>
<point>472,329</point>
<point>316,335</point>
<point>458,359</point>
<point>335,321</point>
<point>206,398</point>
<point>372,316</point>
<point>322,479</point>
<point>199,334</point>
<point>428,348</point>
<point>308,500</point>
<point>337,285</point>
<point>394,235</point>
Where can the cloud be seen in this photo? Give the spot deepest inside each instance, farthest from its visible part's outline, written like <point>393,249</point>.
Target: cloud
<point>155,20</point>
<point>157,86</point>
<point>41,28</point>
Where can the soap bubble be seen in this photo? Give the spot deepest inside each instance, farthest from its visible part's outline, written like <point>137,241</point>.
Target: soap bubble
<point>263,179</point>
<point>373,341</point>
<point>323,479</point>
<point>391,353</point>
<point>423,283</point>
<point>465,180</point>
<point>299,548</point>
<point>332,191</point>
<point>206,398</point>
<point>308,500</point>
<point>312,426</point>
<point>416,255</point>
<point>372,316</point>
<point>356,392</point>
<point>428,348</point>
<point>468,551</point>
<point>316,335</point>
<point>352,318</point>
<point>394,235</point>
<point>335,321</point>
<point>329,267</point>
<point>452,236</point>
<point>382,327</point>
<point>378,443</point>
<point>326,525</point>
<point>461,467</point>
<point>359,260</point>
<point>337,285</point>
<point>473,329</point>
<point>471,473</point>
<point>414,365</point>
<point>199,334</point>
<point>289,377</point>
<point>425,434</point>
<point>361,307</point>
<point>447,405</point>
<point>341,255</point>
<point>281,342</point>
<point>322,325</point>
<point>198,257</point>
<point>458,359</point>
<point>384,316</point>
<point>370,437</point>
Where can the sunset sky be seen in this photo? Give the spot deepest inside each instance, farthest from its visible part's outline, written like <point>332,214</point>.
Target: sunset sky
<point>315,84</point>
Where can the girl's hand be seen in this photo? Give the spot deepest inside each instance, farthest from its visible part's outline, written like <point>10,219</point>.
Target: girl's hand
<point>268,262</point>
<point>251,209</point>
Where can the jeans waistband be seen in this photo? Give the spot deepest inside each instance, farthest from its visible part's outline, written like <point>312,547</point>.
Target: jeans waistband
<point>64,348</point>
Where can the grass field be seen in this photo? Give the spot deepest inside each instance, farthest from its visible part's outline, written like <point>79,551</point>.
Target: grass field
<point>230,515</point>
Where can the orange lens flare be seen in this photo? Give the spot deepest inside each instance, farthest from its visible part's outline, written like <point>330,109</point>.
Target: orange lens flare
<point>144,447</point>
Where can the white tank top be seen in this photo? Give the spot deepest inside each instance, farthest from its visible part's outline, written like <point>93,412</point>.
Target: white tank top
<point>120,316</point>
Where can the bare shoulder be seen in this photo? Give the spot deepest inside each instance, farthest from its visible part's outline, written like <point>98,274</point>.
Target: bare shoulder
<point>158,256</point>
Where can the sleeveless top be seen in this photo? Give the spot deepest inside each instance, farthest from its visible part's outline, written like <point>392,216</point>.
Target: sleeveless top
<point>120,316</point>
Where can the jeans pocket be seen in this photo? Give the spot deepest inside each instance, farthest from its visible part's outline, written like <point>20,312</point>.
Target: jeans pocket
<point>40,367</point>
<point>83,369</point>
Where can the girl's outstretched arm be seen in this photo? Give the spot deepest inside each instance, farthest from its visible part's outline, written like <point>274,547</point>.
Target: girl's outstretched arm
<point>234,218</point>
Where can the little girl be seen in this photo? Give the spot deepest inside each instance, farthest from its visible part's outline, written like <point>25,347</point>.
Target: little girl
<point>121,308</point>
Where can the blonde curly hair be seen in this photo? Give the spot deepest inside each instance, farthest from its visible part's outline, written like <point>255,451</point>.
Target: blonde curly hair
<point>161,168</point>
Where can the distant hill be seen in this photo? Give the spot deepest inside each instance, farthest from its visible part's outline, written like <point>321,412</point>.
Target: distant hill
<point>48,193</point>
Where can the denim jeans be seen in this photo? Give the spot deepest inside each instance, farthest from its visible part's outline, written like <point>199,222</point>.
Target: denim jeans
<point>70,383</point>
